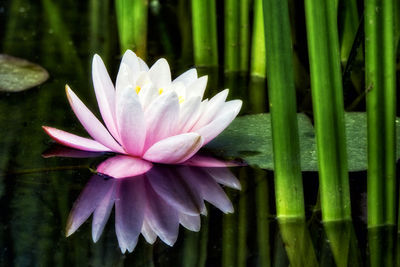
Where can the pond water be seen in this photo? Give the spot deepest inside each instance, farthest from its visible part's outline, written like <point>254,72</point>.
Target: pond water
<point>37,193</point>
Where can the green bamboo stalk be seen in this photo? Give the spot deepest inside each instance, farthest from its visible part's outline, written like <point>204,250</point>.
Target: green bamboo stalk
<point>380,81</point>
<point>348,20</point>
<point>327,97</point>
<point>204,22</point>
<point>132,25</point>
<point>236,35</point>
<point>258,54</point>
<point>288,180</point>
<point>381,243</point>
<point>229,240</point>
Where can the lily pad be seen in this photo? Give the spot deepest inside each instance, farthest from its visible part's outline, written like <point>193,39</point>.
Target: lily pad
<point>17,74</point>
<point>249,138</point>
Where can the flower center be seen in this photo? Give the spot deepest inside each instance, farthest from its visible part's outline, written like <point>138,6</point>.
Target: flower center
<point>137,89</point>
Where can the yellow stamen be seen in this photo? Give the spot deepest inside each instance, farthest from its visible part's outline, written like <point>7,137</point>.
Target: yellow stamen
<point>160,91</point>
<point>181,99</point>
<point>137,89</point>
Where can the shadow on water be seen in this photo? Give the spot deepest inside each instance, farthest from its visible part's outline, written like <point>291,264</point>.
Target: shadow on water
<point>37,193</point>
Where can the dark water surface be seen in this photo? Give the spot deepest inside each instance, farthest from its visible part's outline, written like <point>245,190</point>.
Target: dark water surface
<point>37,193</point>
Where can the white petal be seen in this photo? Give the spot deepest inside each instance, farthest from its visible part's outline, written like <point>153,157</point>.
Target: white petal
<point>131,122</point>
<point>187,77</point>
<point>214,106</point>
<point>197,87</point>
<point>160,74</point>
<point>105,94</point>
<point>92,125</point>
<point>195,117</point>
<point>215,127</point>
<point>188,110</point>
<point>174,149</point>
<point>161,118</point>
<point>133,63</point>
<point>143,65</point>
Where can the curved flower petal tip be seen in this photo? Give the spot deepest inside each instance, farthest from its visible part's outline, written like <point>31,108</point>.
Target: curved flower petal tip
<point>74,141</point>
<point>175,149</point>
<point>124,166</point>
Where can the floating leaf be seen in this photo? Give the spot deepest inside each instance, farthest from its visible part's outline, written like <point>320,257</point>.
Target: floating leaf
<point>18,74</point>
<point>249,137</point>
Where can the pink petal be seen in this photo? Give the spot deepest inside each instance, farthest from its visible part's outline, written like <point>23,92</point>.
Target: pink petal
<point>161,118</point>
<point>92,125</point>
<point>93,193</point>
<point>102,213</point>
<point>129,212</point>
<point>105,94</point>
<point>162,218</point>
<point>174,149</point>
<point>160,74</point>
<point>131,122</point>
<point>123,166</point>
<point>74,141</point>
<point>215,127</point>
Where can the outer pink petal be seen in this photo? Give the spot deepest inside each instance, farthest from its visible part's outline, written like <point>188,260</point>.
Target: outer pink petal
<point>148,232</point>
<point>215,127</point>
<point>161,118</point>
<point>175,149</point>
<point>123,166</point>
<point>74,141</point>
<point>224,176</point>
<point>92,125</point>
<point>105,94</point>
<point>131,122</point>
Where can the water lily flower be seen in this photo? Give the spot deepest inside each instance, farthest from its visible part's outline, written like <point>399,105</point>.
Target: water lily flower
<point>147,115</point>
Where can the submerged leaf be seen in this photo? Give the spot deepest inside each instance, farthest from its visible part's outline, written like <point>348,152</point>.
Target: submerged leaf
<point>249,137</point>
<point>18,74</point>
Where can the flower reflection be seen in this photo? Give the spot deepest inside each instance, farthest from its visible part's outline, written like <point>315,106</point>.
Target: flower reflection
<point>154,202</point>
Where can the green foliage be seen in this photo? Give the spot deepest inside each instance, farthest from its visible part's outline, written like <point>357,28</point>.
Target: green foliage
<point>249,137</point>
